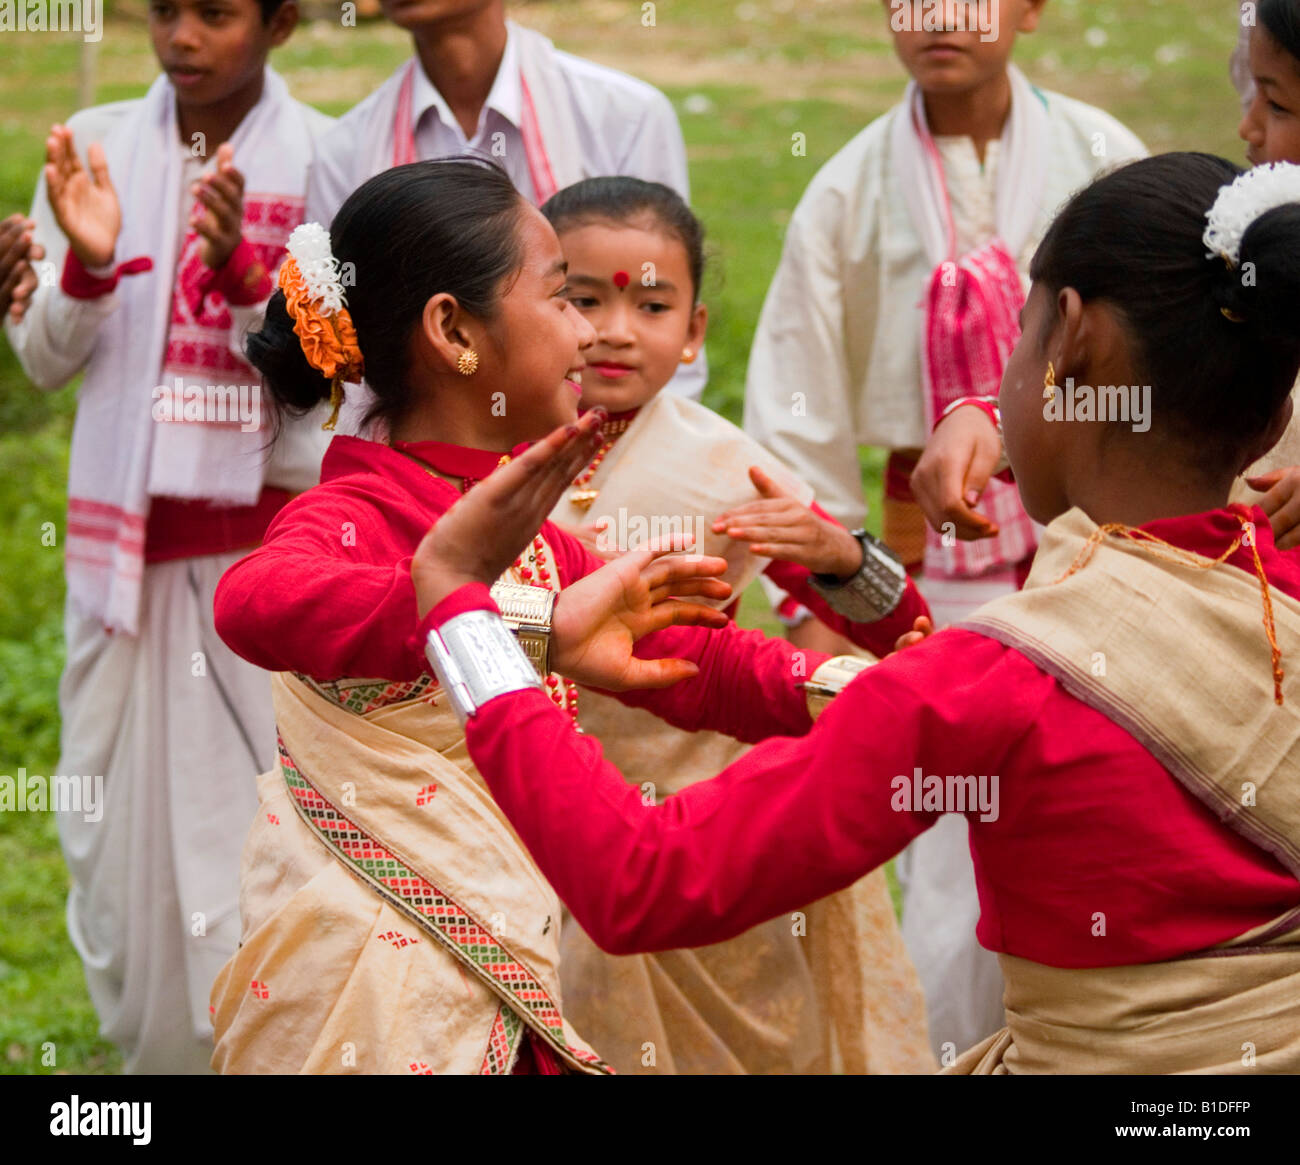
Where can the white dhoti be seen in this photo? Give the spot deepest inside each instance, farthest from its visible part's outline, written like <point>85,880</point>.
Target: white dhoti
<point>179,727</point>
<point>961,980</point>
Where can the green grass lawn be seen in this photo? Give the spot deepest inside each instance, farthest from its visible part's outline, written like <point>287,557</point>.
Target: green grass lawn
<point>744,77</point>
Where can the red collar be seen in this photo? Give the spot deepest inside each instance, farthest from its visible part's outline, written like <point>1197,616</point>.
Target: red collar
<point>458,460</point>
<point>1210,533</point>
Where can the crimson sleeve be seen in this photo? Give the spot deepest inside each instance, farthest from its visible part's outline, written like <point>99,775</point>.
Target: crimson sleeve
<point>790,822</point>
<point>244,280</point>
<point>749,685</point>
<point>305,601</point>
<point>878,637</point>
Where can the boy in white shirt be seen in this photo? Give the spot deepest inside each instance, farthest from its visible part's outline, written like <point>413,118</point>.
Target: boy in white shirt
<point>480,83</point>
<point>903,271</point>
<point>164,219</point>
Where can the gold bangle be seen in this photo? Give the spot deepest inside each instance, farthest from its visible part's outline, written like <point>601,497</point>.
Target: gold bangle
<point>830,679</point>
<point>527,611</point>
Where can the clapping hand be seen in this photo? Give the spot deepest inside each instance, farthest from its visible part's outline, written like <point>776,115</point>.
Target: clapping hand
<point>84,202</point>
<point>219,221</point>
<point>956,465</point>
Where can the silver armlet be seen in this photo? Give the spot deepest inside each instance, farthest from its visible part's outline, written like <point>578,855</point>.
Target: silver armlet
<point>476,658</point>
<point>874,592</point>
<point>526,611</point>
<point>829,680</point>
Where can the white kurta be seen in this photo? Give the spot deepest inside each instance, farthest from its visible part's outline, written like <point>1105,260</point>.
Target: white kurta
<point>180,727</point>
<point>841,322</point>
<point>624,126</point>
<point>841,328</point>
<point>174,722</point>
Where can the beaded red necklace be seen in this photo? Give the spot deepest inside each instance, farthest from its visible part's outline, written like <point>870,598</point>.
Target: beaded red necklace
<point>610,431</point>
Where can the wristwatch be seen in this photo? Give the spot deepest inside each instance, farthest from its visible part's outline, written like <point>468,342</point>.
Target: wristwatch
<point>874,591</point>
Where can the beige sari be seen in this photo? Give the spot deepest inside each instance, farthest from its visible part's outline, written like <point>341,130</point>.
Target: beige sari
<point>1203,704</point>
<point>828,988</point>
<point>392,919</point>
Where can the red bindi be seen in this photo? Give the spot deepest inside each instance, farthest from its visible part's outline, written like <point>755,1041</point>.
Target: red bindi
<point>621,279</point>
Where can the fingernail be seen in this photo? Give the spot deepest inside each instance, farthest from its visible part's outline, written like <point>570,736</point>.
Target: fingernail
<point>570,430</point>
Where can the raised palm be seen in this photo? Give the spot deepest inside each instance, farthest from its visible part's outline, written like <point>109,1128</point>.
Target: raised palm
<point>599,618</point>
<point>84,202</point>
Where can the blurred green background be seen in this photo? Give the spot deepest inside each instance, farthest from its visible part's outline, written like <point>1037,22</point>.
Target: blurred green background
<point>744,77</point>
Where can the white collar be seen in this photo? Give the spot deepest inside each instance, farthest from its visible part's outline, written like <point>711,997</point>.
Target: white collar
<point>505,97</point>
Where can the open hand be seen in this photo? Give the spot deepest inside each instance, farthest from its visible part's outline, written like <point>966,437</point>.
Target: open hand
<point>1281,503</point>
<point>599,618</point>
<point>487,529</point>
<point>220,217</point>
<point>779,526</point>
<point>953,470</point>
<point>84,202</point>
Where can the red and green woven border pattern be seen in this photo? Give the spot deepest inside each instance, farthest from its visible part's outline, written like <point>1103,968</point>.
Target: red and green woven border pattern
<point>442,917</point>
<point>501,1043</point>
<point>362,696</point>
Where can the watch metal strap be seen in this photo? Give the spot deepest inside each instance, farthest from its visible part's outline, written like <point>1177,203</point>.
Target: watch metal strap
<point>874,592</point>
<point>476,658</point>
<point>830,679</point>
<point>526,611</point>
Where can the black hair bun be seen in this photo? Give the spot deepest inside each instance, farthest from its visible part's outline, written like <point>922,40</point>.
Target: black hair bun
<point>276,352</point>
<point>1263,290</point>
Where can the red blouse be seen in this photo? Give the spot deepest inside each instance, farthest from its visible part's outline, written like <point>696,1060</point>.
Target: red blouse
<point>1097,857</point>
<point>329,594</point>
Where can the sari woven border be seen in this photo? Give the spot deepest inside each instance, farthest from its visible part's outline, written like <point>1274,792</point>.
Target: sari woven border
<point>473,945</point>
<point>503,1043</point>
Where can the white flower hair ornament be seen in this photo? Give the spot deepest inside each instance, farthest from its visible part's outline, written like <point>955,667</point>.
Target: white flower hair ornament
<point>1239,204</point>
<point>315,301</point>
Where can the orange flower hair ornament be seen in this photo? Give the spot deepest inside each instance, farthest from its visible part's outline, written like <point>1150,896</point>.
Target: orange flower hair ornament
<point>313,295</point>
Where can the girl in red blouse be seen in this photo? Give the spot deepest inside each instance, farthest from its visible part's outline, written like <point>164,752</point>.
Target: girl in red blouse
<point>392,921</point>
<point>1119,735</point>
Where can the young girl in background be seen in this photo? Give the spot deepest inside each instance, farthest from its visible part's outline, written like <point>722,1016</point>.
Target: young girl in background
<point>780,998</point>
<point>1270,128</point>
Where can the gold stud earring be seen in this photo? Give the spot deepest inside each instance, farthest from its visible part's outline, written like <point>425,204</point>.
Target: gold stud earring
<point>1049,381</point>
<point>467,362</point>
<point>688,356</point>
